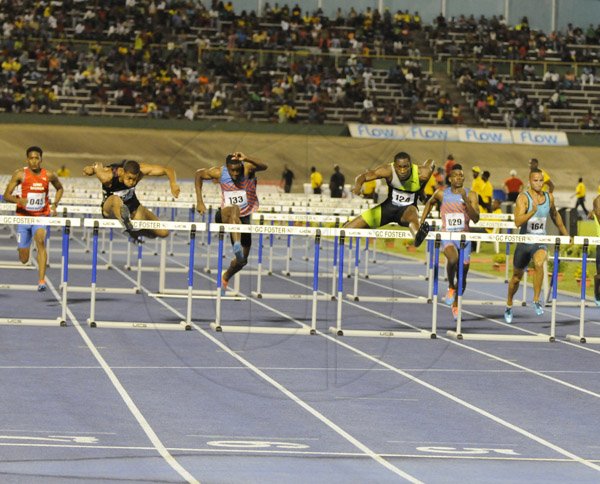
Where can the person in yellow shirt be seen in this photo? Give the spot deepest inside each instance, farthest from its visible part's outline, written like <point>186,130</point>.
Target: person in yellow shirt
<point>316,180</point>
<point>548,184</point>
<point>487,192</point>
<point>63,172</point>
<point>477,183</point>
<point>595,216</point>
<point>580,196</point>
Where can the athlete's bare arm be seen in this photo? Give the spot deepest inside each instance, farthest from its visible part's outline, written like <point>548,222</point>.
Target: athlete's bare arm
<point>159,170</point>
<point>15,180</point>
<point>472,205</point>
<point>104,174</point>
<point>202,174</point>
<point>426,170</point>
<point>521,213</point>
<point>437,197</point>
<point>382,171</point>
<point>251,165</point>
<point>53,178</point>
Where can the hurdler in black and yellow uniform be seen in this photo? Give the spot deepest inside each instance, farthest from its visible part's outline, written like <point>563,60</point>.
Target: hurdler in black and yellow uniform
<point>405,180</point>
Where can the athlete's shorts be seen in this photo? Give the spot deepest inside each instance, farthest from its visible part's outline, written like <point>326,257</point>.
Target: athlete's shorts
<point>456,243</point>
<point>132,204</point>
<point>384,214</point>
<point>524,253</point>
<point>246,238</point>
<point>25,234</point>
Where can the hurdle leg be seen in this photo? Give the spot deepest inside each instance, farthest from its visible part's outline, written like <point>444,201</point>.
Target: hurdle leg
<point>580,338</point>
<point>138,281</point>
<point>92,319</point>
<point>258,292</point>
<point>340,287</point>
<point>188,320</point>
<point>367,254</point>
<point>435,288</point>
<point>334,267</point>
<point>216,325</point>
<point>65,270</point>
<point>313,324</point>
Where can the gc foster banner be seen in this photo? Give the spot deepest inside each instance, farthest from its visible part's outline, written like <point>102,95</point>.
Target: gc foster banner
<point>422,132</point>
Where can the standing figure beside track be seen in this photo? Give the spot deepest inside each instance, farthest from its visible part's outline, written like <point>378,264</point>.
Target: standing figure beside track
<point>237,179</point>
<point>405,180</point>
<point>531,212</point>
<point>457,208</point>
<point>119,199</point>
<point>595,215</point>
<point>33,202</point>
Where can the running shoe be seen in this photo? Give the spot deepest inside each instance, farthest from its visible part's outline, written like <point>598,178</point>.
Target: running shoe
<point>508,315</point>
<point>42,286</point>
<point>126,217</point>
<point>539,310</point>
<point>455,313</point>
<point>421,234</point>
<point>224,283</point>
<point>450,296</point>
<point>238,251</point>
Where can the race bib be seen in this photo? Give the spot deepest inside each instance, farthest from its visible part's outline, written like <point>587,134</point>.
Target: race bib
<point>35,201</point>
<point>125,194</point>
<point>402,199</point>
<point>237,197</point>
<point>455,222</point>
<point>536,225</point>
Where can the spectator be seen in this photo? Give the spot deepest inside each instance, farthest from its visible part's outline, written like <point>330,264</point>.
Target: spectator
<point>336,183</point>
<point>287,177</point>
<point>548,184</point>
<point>448,166</point>
<point>580,196</point>
<point>316,180</point>
<point>487,192</point>
<point>512,186</point>
<point>63,172</point>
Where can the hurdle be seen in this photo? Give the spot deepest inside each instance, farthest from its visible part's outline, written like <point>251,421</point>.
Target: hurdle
<point>337,329</point>
<point>383,234</point>
<point>264,229</point>
<point>140,225</point>
<point>66,223</point>
<point>513,238</point>
<point>314,232</point>
<point>583,303</point>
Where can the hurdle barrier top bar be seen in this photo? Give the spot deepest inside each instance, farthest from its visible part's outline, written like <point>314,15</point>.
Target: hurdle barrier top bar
<point>53,221</point>
<point>283,217</point>
<point>324,231</point>
<point>512,238</point>
<point>581,240</point>
<point>145,224</point>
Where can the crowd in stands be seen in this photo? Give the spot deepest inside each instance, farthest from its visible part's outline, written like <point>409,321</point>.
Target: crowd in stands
<point>163,58</point>
<point>486,39</point>
<point>182,59</point>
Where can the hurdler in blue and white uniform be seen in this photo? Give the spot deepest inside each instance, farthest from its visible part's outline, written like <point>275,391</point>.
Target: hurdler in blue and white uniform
<point>457,208</point>
<point>532,210</point>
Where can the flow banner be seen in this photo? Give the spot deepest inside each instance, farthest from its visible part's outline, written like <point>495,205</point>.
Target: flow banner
<point>422,132</point>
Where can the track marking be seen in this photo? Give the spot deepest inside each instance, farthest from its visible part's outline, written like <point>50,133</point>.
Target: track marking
<point>135,411</point>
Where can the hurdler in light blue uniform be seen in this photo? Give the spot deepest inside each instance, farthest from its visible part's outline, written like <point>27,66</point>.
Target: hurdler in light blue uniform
<point>536,225</point>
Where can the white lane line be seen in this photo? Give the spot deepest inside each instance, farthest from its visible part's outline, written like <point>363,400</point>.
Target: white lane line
<point>135,411</point>
<point>458,400</point>
<point>292,396</point>
<point>303,453</point>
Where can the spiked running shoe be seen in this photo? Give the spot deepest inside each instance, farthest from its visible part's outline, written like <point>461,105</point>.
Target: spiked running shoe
<point>41,286</point>
<point>421,234</point>
<point>450,296</point>
<point>539,310</point>
<point>508,315</point>
<point>126,217</point>
<point>455,313</point>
